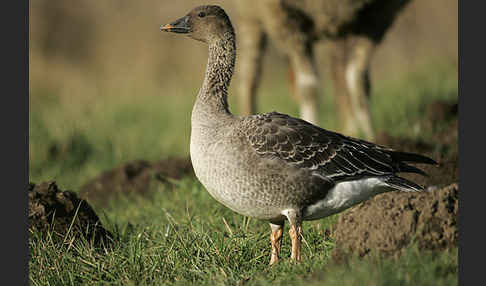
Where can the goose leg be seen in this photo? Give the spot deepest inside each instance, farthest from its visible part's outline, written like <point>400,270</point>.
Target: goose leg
<point>276,241</point>
<point>295,233</point>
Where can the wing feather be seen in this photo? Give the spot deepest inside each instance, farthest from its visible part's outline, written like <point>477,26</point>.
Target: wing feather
<point>301,144</point>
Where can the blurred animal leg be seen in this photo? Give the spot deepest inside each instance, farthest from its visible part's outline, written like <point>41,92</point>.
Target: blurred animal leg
<point>290,36</point>
<point>292,84</point>
<point>338,58</point>
<point>252,48</point>
<point>276,241</point>
<point>360,50</point>
<point>306,79</point>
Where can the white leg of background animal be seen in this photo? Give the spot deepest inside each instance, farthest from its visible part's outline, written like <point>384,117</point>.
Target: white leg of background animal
<point>358,83</point>
<point>286,33</point>
<point>252,45</point>
<point>350,61</point>
<point>306,85</point>
<point>338,58</point>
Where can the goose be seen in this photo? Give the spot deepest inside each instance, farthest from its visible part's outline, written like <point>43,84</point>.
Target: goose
<point>272,166</point>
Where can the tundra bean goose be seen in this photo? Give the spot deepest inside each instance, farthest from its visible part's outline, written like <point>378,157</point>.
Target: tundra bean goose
<point>272,166</point>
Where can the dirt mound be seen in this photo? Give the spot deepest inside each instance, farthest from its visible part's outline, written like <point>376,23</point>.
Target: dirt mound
<point>389,222</point>
<point>134,177</point>
<point>54,209</point>
<point>440,121</point>
<point>444,152</point>
<point>441,111</point>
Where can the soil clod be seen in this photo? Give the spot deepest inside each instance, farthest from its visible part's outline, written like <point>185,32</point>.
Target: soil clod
<point>134,177</point>
<point>390,221</point>
<point>62,212</point>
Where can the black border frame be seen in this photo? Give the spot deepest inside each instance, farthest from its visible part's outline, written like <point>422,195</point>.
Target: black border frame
<point>16,140</point>
<point>15,25</point>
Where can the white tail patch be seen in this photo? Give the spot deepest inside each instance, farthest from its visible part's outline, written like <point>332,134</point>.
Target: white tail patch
<point>345,195</point>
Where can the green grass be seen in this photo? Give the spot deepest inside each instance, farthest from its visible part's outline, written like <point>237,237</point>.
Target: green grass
<point>398,106</point>
<point>178,236</point>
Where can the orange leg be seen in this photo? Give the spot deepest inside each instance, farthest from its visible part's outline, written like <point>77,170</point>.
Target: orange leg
<point>295,231</point>
<point>276,241</point>
<point>296,237</point>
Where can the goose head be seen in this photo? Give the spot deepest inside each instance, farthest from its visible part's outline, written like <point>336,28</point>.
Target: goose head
<point>204,23</point>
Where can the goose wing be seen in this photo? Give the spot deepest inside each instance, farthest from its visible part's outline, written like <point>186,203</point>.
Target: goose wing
<point>332,155</point>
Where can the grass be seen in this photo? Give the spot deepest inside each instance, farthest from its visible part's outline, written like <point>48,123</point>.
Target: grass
<point>179,236</point>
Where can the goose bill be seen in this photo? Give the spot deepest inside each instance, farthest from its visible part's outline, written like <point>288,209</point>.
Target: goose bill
<point>179,26</point>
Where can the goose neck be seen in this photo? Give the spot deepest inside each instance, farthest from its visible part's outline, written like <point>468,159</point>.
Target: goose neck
<point>219,71</point>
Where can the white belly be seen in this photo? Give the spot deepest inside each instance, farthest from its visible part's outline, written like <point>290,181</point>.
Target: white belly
<point>345,195</point>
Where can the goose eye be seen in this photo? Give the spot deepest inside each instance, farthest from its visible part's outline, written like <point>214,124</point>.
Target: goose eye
<point>201,15</point>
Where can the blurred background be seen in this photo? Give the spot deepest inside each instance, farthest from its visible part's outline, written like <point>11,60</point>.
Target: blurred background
<point>106,86</point>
